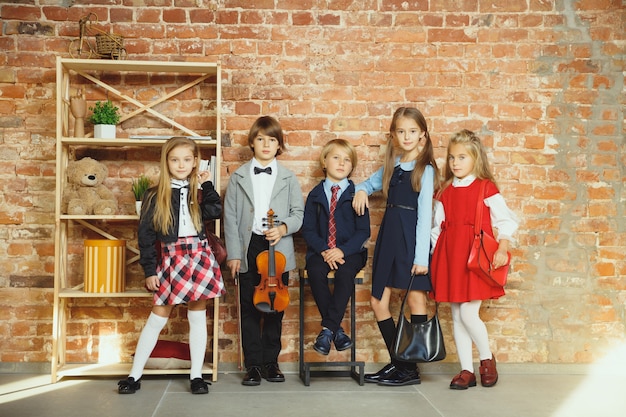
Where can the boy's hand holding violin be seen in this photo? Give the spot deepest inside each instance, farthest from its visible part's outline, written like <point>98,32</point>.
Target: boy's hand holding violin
<point>274,234</point>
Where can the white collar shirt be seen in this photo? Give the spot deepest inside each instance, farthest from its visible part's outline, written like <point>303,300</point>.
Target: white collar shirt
<point>262,186</point>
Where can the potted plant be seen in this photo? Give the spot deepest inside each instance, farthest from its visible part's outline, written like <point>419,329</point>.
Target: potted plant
<point>104,116</point>
<point>139,187</point>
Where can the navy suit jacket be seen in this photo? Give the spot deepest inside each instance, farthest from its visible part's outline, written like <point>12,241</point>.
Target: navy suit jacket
<point>352,231</point>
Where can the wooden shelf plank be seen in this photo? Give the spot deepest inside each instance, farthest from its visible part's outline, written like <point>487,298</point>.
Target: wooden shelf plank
<point>99,217</point>
<point>121,369</point>
<point>140,66</point>
<point>79,293</point>
<point>126,142</point>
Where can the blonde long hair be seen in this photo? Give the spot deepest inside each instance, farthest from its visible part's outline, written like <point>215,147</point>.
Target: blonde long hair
<point>476,151</point>
<point>424,158</point>
<point>163,218</point>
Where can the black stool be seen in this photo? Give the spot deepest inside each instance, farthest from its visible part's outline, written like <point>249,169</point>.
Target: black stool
<point>305,367</point>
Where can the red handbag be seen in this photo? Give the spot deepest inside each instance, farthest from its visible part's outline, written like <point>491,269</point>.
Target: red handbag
<point>483,248</point>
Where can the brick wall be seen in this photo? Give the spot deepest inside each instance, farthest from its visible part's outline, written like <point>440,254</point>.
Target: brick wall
<point>541,81</point>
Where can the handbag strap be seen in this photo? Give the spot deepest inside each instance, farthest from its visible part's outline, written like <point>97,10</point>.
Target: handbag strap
<point>478,220</point>
<point>406,295</point>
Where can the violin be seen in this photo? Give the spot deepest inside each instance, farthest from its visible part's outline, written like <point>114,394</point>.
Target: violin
<point>271,295</point>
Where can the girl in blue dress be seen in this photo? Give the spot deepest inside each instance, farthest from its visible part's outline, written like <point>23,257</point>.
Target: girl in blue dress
<point>408,180</point>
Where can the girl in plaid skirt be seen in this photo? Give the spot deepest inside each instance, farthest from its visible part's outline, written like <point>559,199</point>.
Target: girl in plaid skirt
<point>175,255</point>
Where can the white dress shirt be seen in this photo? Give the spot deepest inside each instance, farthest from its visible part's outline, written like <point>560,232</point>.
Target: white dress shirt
<point>262,185</point>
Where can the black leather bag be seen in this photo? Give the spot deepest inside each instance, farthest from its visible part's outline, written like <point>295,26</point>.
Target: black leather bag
<point>418,342</point>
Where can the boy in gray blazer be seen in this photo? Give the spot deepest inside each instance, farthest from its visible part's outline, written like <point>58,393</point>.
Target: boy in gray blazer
<point>256,187</point>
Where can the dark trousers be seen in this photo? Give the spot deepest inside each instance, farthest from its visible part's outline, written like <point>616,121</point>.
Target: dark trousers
<point>332,305</point>
<point>260,332</point>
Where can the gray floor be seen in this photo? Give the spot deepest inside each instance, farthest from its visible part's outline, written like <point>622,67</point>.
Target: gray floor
<point>519,392</point>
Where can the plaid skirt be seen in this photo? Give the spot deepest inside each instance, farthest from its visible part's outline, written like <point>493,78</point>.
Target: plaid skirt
<point>188,272</point>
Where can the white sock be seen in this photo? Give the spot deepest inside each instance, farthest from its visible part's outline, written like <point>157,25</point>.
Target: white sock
<point>197,341</point>
<point>146,343</point>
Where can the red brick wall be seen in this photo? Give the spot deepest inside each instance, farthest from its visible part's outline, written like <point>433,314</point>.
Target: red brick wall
<point>541,81</point>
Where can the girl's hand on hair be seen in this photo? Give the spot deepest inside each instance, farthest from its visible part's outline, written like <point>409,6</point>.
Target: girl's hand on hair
<point>204,176</point>
<point>360,202</point>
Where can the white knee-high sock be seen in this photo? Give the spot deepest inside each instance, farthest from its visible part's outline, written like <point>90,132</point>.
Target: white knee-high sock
<point>146,343</point>
<point>462,339</point>
<point>197,341</point>
<point>476,327</point>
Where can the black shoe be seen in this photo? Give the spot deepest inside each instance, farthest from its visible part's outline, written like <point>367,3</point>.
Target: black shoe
<point>272,373</point>
<point>252,377</point>
<point>199,386</point>
<point>383,373</point>
<point>401,377</point>
<point>322,343</point>
<point>341,340</point>
<point>128,386</point>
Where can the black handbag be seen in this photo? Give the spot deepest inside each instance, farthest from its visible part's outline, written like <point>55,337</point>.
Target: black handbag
<point>418,342</point>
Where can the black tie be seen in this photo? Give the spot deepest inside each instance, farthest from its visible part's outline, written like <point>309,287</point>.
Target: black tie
<point>267,170</point>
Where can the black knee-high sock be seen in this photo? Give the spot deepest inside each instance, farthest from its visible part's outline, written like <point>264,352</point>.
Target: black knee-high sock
<point>388,330</point>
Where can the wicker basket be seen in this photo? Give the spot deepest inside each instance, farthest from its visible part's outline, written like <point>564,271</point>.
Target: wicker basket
<point>107,44</point>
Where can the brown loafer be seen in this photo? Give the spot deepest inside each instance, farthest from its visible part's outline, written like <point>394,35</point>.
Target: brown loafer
<point>464,380</point>
<point>488,372</point>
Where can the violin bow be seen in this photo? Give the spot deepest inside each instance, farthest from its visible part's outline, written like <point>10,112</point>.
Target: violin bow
<point>238,304</point>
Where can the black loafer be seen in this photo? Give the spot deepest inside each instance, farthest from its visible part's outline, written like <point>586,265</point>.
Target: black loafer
<point>322,342</point>
<point>199,386</point>
<point>252,377</point>
<point>383,373</point>
<point>400,378</point>
<point>272,373</point>
<point>341,340</point>
<point>128,386</point>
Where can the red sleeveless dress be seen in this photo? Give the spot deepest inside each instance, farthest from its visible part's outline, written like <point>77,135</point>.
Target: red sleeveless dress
<point>452,281</point>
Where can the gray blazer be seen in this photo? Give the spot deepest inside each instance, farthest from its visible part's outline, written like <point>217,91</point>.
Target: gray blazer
<point>287,203</point>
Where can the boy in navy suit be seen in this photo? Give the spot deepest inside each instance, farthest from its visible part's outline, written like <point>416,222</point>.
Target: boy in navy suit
<point>335,238</point>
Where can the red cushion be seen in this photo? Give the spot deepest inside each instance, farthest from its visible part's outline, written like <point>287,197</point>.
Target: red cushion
<point>170,349</point>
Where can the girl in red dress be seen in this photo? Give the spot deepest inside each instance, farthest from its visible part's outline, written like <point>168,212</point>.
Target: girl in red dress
<point>452,235</point>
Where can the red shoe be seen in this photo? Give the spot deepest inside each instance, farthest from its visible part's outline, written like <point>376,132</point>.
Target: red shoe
<point>488,372</point>
<point>464,380</point>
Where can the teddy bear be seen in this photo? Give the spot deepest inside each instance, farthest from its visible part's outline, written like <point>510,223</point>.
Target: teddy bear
<point>85,192</point>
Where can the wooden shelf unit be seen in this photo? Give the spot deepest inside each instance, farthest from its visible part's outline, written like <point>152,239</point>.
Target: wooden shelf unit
<point>90,69</point>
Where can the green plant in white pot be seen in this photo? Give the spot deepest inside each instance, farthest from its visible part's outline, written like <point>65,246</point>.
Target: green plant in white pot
<point>139,187</point>
<point>105,115</point>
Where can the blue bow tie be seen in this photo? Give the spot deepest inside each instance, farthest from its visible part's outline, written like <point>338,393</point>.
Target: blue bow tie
<point>267,170</point>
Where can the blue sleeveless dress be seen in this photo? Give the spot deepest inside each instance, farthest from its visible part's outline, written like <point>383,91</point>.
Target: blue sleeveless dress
<point>395,244</point>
